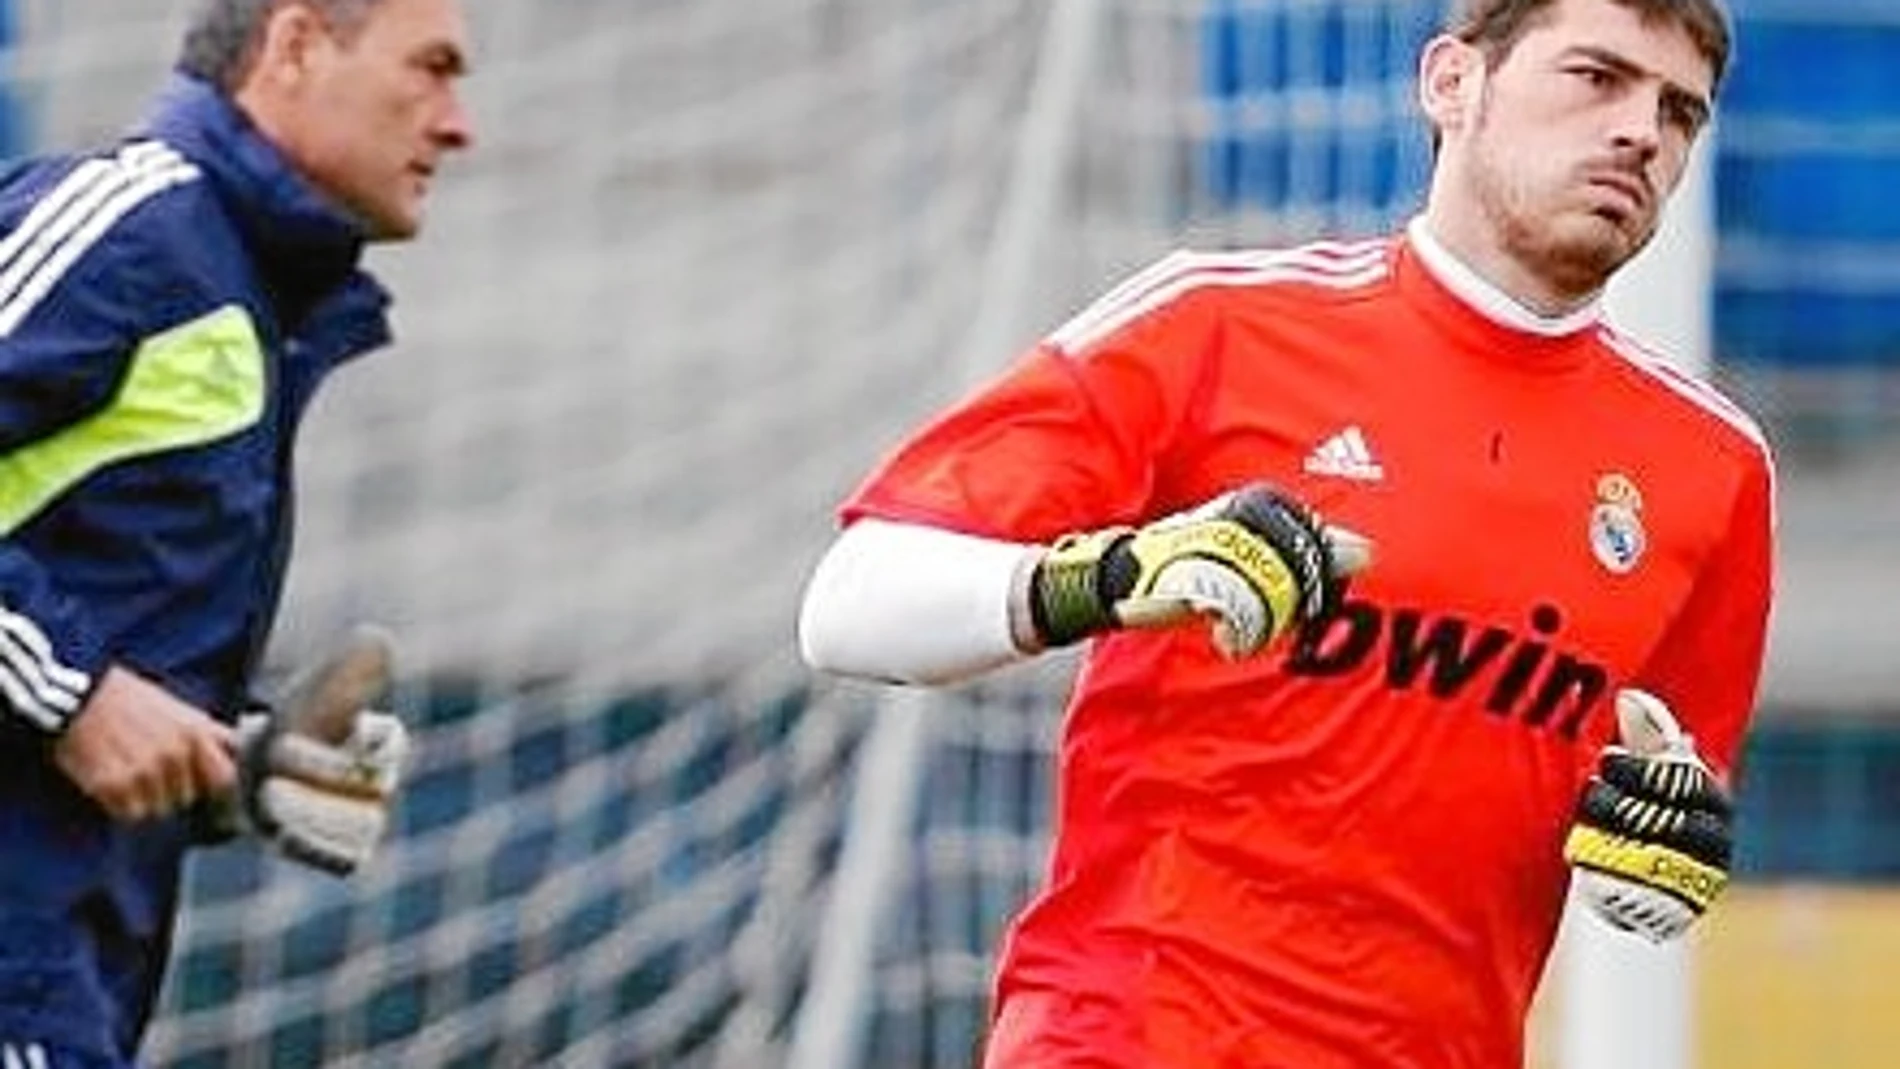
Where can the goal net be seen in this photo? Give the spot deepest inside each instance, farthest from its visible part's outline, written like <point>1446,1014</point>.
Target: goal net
<point>707,261</point>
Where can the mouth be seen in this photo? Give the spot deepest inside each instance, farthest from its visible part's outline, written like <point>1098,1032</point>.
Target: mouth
<point>421,179</point>
<point>1632,192</point>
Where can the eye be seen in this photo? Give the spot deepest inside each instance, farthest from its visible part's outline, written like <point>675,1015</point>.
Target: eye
<point>1683,114</point>
<point>1594,76</point>
<point>441,64</point>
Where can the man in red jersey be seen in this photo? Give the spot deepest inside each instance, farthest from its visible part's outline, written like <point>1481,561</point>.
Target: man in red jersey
<point>1340,833</point>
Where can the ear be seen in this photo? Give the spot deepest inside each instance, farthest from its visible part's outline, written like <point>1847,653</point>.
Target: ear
<point>291,37</point>
<point>1450,80</point>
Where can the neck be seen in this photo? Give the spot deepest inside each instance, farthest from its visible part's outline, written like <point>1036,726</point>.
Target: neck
<point>1488,296</point>
<point>1473,245</point>
<point>278,121</point>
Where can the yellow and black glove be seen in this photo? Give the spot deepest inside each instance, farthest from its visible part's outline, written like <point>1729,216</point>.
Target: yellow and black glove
<point>1256,561</point>
<point>1654,828</point>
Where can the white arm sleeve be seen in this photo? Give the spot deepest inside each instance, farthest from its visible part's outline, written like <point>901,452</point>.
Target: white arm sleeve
<point>910,604</point>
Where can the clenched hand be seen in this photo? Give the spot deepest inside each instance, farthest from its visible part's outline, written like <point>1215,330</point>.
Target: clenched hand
<point>142,753</point>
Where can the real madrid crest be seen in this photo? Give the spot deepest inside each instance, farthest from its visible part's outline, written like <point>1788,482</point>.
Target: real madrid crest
<point>1616,524</point>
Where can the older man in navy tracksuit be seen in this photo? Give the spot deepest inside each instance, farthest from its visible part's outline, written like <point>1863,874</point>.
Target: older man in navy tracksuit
<point>167,309</point>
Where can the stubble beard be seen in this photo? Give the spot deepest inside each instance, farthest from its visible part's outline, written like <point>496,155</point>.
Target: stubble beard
<point>1570,248</point>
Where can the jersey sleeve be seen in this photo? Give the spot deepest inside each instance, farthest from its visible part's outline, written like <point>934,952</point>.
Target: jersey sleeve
<point>1069,437</point>
<point>1708,665</point>
<point>67,337</point>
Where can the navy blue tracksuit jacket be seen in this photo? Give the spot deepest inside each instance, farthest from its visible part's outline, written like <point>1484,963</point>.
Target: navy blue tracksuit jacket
<point>167,308</point>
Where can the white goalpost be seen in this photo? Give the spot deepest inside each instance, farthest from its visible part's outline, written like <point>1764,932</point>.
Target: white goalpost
<point>1613,986</point>
<point>831,1024</point>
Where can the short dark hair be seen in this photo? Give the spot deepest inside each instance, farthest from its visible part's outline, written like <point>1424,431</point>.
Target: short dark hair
<point>1496,25</point>
<point>223,36</point>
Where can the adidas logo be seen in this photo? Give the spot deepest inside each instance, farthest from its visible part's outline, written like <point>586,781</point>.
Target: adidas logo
<point>1346,456</point>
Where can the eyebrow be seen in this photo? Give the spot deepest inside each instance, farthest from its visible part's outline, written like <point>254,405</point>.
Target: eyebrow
<point>1695,104</point>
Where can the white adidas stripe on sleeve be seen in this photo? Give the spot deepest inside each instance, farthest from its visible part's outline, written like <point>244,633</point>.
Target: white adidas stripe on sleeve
<point>1705,397</point>
<point>1334,265</point>
<point>74,215</point>
<point>34,681</point>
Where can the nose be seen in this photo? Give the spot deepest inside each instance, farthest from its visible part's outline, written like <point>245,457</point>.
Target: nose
<point>453,128</point>
<point>1637,125</point>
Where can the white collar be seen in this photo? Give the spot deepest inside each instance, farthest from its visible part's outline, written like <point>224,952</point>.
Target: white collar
<point>1487,299</point>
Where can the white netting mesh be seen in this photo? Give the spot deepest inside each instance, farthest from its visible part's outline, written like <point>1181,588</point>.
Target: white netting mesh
<point>708,259</point>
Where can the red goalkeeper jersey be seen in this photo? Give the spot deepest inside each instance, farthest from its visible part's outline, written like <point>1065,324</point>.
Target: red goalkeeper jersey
<point>1349,855</point>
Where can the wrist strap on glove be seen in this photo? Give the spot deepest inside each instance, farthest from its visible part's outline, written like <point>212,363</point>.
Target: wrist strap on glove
<point>1078,581</point>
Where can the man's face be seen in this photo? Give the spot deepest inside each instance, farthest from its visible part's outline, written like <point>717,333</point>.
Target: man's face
<point>380,109</point>
<point>1580,134</point>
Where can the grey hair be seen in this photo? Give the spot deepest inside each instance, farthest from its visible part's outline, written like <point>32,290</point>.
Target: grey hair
<point>223,37</point>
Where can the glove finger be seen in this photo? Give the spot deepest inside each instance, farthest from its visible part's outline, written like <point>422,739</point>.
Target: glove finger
<point>334,769</point>
<point>1686,784</point>
<point>1701,835</point>
<point>1646,726</point>
<point>323,829</point>
<point>1198,585</point>
<point>1151,611</point>
<point>1295,533</point>
<point>381,742</point>
<point>316,855</point>
<point>250,728</point>
<point>1351,551</point>
<point>324,702</point>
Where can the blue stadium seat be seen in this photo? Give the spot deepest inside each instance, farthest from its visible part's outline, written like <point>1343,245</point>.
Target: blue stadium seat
<point>1806,206</point>
<point>1306,110</point>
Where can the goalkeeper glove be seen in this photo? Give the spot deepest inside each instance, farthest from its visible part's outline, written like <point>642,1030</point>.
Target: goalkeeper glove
<point>1255,560</point>
<point>1652,837</point>
<point>316,778</point>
